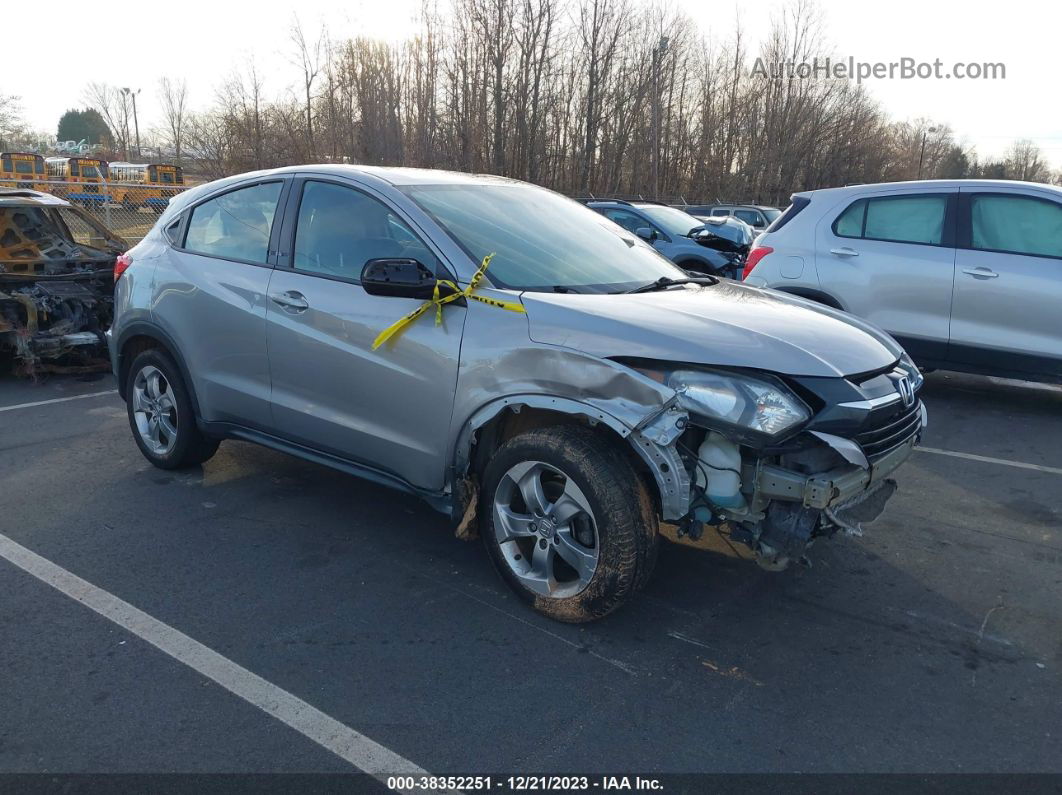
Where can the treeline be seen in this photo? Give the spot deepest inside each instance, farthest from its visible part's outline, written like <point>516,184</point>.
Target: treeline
<point>602,97</point>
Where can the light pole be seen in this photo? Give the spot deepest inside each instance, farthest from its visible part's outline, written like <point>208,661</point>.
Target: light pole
<point>658,54</point>
<point>136,125</point>
<point>921,154</point>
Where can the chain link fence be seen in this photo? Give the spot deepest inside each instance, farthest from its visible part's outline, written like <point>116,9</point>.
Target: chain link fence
<point>128,210</point>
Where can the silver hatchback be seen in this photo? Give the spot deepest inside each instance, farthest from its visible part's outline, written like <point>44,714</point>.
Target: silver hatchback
<point>966,274</point>
<point>535,372</point>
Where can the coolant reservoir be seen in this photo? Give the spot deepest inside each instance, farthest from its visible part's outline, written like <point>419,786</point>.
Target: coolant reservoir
<point>721,464</point>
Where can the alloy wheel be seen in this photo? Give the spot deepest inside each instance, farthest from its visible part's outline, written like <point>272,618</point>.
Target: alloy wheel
<point>154,410</point>
<point>546,530</point>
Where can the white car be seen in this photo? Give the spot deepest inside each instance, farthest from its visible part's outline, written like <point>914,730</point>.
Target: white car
<point>965,274</point>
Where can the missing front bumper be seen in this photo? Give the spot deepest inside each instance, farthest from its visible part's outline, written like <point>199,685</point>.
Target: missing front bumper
<point>798,507</point>
<point>865,507</point>
<point>828,489</point>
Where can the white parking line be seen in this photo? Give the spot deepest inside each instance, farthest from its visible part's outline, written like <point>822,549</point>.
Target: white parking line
<point>344,742</point>
<point>990,460</point>
<point>57,400</point>
<point>688,639</point>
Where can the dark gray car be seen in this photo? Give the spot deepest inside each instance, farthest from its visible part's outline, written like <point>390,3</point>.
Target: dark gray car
<point>675,234</point>
<point>531,369</point>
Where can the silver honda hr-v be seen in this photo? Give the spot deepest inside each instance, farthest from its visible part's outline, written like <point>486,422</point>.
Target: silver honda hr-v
<point>535,372</point>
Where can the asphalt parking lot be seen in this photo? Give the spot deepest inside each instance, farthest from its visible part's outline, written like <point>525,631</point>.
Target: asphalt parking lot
<point>932,643</point>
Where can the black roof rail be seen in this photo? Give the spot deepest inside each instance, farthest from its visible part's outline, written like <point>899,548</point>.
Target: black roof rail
<point>589,199</point>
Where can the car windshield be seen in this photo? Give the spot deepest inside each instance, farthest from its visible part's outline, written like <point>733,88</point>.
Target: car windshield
<point>540,240</point>
<point>674,222</point>
<point>771,214</point>
<point>34,232</point>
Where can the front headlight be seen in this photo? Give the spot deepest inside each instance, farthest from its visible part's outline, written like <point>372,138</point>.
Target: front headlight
<point>908,366</point>
<point>738,400</point>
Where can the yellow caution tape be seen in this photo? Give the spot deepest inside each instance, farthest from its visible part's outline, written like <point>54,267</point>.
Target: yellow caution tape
<point>440,301</point>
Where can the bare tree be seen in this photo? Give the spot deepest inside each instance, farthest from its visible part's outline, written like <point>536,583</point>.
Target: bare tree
<point>308,57</point>
<point>1025,161</point>
<point>560,94</point>
<point>115,106</point>
<point>11,124</point>
<point>602,26</point>
<point>173,96</point>
<point>210,143</point>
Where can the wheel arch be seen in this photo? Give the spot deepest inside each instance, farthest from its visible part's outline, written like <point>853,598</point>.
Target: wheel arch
<point>141,336</point>
<point>818,296</point>
<point>500,420</point>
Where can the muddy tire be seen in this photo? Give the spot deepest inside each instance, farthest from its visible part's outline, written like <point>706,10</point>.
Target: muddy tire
<point>161,416</point>
<point>568,522</point>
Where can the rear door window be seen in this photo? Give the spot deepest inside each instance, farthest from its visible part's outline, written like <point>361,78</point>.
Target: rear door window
<point>895,219</point>
<point>627,219</point>
<point>1016,225</point>
<point>750,217</point>
<point>235,225</point>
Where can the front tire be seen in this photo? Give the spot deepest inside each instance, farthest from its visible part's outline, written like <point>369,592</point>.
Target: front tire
<point>161,416</point>
<point>567,522</point>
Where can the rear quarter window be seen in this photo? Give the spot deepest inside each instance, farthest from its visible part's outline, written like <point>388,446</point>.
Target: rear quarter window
<point>791,212</point>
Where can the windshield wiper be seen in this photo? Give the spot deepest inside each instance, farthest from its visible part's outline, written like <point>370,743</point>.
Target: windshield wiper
<point>666,281</point>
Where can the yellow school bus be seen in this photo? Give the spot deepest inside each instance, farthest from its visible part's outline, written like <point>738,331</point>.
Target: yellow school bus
<point>84,177</point>
<point>24,168</point>
<point>127,179</point>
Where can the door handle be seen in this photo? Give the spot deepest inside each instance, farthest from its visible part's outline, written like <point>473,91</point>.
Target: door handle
<point>292,300</point>
<point>844,251</point>
<point>980,273</point>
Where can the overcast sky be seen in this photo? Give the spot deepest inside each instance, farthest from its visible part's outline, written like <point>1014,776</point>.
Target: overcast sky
<point>204,41</point>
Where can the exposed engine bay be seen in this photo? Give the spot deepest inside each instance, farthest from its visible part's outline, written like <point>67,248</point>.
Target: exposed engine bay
<point>56,284</point>
<point>776,493</point>
<point>731,238</point>
<point>778,504</point>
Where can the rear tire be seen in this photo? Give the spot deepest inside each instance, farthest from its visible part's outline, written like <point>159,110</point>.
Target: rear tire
<point>567,522</point>
<point>161,416</point>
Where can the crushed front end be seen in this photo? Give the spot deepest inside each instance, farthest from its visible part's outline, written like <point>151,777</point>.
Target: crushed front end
<point>778,462</point>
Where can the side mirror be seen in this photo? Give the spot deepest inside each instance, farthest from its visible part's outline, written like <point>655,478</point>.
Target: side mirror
<point>401,278</point>
<point>646,234</point>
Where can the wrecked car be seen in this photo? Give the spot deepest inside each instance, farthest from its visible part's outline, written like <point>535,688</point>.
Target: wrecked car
<point>56,280</point>
<point>532,370</point>
<point>695,245</point>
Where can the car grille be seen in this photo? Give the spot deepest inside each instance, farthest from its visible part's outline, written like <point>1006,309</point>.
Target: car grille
<point>894,429</point>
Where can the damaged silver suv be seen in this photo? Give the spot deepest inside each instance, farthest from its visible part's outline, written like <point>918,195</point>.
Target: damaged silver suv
<point>529,368</point>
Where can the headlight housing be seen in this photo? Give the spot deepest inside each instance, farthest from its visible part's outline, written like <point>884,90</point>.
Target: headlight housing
<point>765,408</point>
<point>908,366</point>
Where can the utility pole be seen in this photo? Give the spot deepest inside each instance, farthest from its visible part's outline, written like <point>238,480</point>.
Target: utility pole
<point>658,54</point>
<point>922,153</point>
<point>136,124</point>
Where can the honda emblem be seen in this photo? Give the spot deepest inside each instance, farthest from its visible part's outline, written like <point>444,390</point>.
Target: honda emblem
<point>903,386</point>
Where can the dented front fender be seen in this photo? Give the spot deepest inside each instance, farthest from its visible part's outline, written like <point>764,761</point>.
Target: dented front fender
<point>502,368</point>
